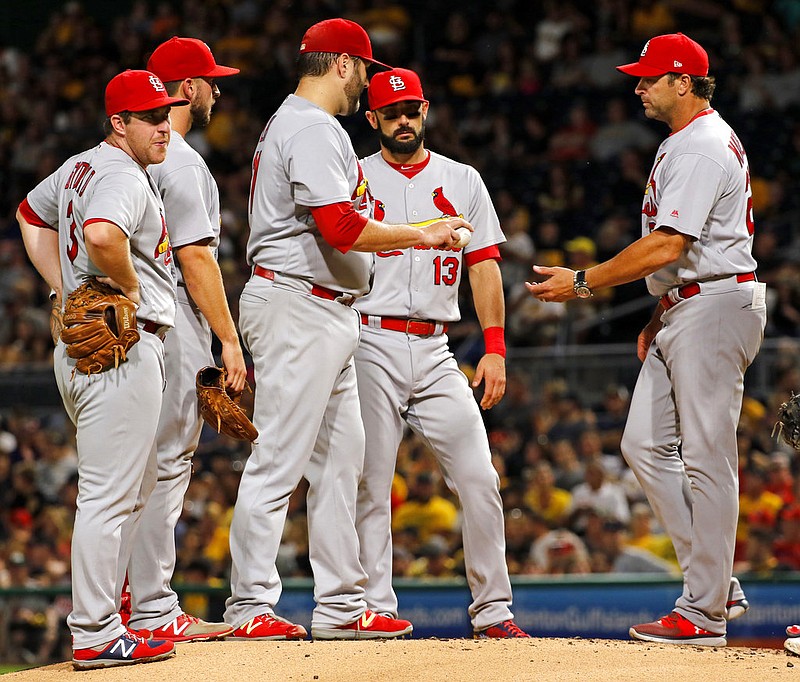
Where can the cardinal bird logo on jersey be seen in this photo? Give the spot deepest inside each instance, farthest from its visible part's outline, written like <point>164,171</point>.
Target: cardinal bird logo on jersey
<point>361,196</point>
<point>443,204</point>
<point>380,210</point>
<point>163,247</point>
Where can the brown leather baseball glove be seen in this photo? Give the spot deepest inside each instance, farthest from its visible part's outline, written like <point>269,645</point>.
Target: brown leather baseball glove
<point>99,327</point>
<point>788,424</point>
<point>221,409</point>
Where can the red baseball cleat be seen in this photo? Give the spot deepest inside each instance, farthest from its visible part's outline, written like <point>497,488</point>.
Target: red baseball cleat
<point>268,626</point>
<point>675,629</point>
<point>508,628</point>
<point>186,628</point>
<point>369,626</point>
<point>126,649</point>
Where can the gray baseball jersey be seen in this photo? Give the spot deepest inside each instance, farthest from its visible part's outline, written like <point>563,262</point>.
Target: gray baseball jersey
<point>303,344</point>
<point>115,412</point>
<point>415,380</point>
<point>105,184</point>
<point>680,437</point>
<point>305,159</point>
<point>191,202</point>
<point>696,187</point>
<point>423,282</point>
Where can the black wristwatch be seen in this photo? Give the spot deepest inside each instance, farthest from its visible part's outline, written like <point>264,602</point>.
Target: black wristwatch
<point>579,285</point>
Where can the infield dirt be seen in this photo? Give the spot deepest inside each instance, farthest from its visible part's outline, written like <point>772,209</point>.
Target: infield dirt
<point>434,660</point>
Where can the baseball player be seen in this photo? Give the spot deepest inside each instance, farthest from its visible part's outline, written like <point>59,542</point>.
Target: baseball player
<point>191,201</point>
<point>695,252</point>
<point>110,224</point>
<point>309,233</point>
<point>407,375</point>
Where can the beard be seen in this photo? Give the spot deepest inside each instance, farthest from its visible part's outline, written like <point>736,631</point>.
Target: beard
<point>201,115</point>
<point>396,147</point>
<point>353,90</point>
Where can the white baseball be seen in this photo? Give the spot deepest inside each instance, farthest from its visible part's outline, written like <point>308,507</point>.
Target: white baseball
<point>465,235</point>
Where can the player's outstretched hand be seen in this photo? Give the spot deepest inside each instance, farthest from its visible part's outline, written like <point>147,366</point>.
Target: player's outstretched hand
<point>553,285</point>
<point>492,371</point>
<point>443,232</point>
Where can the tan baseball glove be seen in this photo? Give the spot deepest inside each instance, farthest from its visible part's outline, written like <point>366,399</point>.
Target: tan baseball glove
<point>221,409</point>
<point>99,327</point>
<point>788,424</point>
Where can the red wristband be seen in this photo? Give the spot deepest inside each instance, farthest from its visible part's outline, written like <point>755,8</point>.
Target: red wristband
<point>494,338</point>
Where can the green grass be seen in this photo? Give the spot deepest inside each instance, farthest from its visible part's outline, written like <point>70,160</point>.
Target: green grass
<point>13,667</point>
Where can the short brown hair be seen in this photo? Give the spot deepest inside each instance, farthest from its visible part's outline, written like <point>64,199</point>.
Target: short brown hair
<point>108,128</point>
<point>702,86</point>
<point>315,63</point>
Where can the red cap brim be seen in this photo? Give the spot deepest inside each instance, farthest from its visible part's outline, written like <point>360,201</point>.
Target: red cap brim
<point>220,71</point>
<point>159,102</point>
<point>640,70</point>
<point>376,62</point>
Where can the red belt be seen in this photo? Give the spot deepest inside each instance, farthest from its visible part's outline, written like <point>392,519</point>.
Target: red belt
<point>409,326</point>
<point>151,327</point>
<point>316,289</point>
<point>693,288</point>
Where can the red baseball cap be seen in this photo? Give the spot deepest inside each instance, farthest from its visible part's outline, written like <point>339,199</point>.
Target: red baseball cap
<point>396,85</point>
<point>339,36</point>
<point>180,58</point>
<point>670,53</point>
<point>138,91</point>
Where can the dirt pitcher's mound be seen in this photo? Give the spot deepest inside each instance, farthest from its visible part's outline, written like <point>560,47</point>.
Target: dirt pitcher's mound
<point>432,660</point>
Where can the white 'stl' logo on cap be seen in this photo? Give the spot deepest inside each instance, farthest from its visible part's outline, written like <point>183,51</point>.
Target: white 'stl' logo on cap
<point>397,83</point>
<point>677,64</point>
<point>644,49</point>
<point>158,86</point>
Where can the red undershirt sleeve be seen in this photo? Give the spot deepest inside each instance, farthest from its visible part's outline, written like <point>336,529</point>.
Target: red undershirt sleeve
<point>339,224</point>
<point>488,253</point>
<point>31,217</point>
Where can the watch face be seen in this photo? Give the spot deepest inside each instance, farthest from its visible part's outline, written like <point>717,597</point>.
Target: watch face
<point>583,292</point>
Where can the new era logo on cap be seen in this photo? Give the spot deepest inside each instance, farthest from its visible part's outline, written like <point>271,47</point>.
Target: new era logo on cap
<point>673,52</point>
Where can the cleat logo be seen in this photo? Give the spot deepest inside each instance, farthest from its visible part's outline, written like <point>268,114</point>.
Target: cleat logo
<point>367,619</point>
<point>252,625</point>
<point>120,644</point>
<point>178,629</point>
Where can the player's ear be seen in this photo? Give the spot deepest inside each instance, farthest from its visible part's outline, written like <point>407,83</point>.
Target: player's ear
<point>187,88</point>
<point>117,124</point>
<point>373,120</point>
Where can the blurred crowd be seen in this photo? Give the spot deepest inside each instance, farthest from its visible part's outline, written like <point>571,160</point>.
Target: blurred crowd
<point>527,93</point>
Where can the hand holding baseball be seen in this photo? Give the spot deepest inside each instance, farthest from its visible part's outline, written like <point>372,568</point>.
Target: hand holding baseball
<point>465,237</point>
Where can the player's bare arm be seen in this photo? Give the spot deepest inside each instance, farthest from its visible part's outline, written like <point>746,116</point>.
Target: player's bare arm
<point>487,295</point>
<point>110,250</point>
<point>641,258</point>
<point>42,246</point>
<point>203,280</point>
<point>377,236</point>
